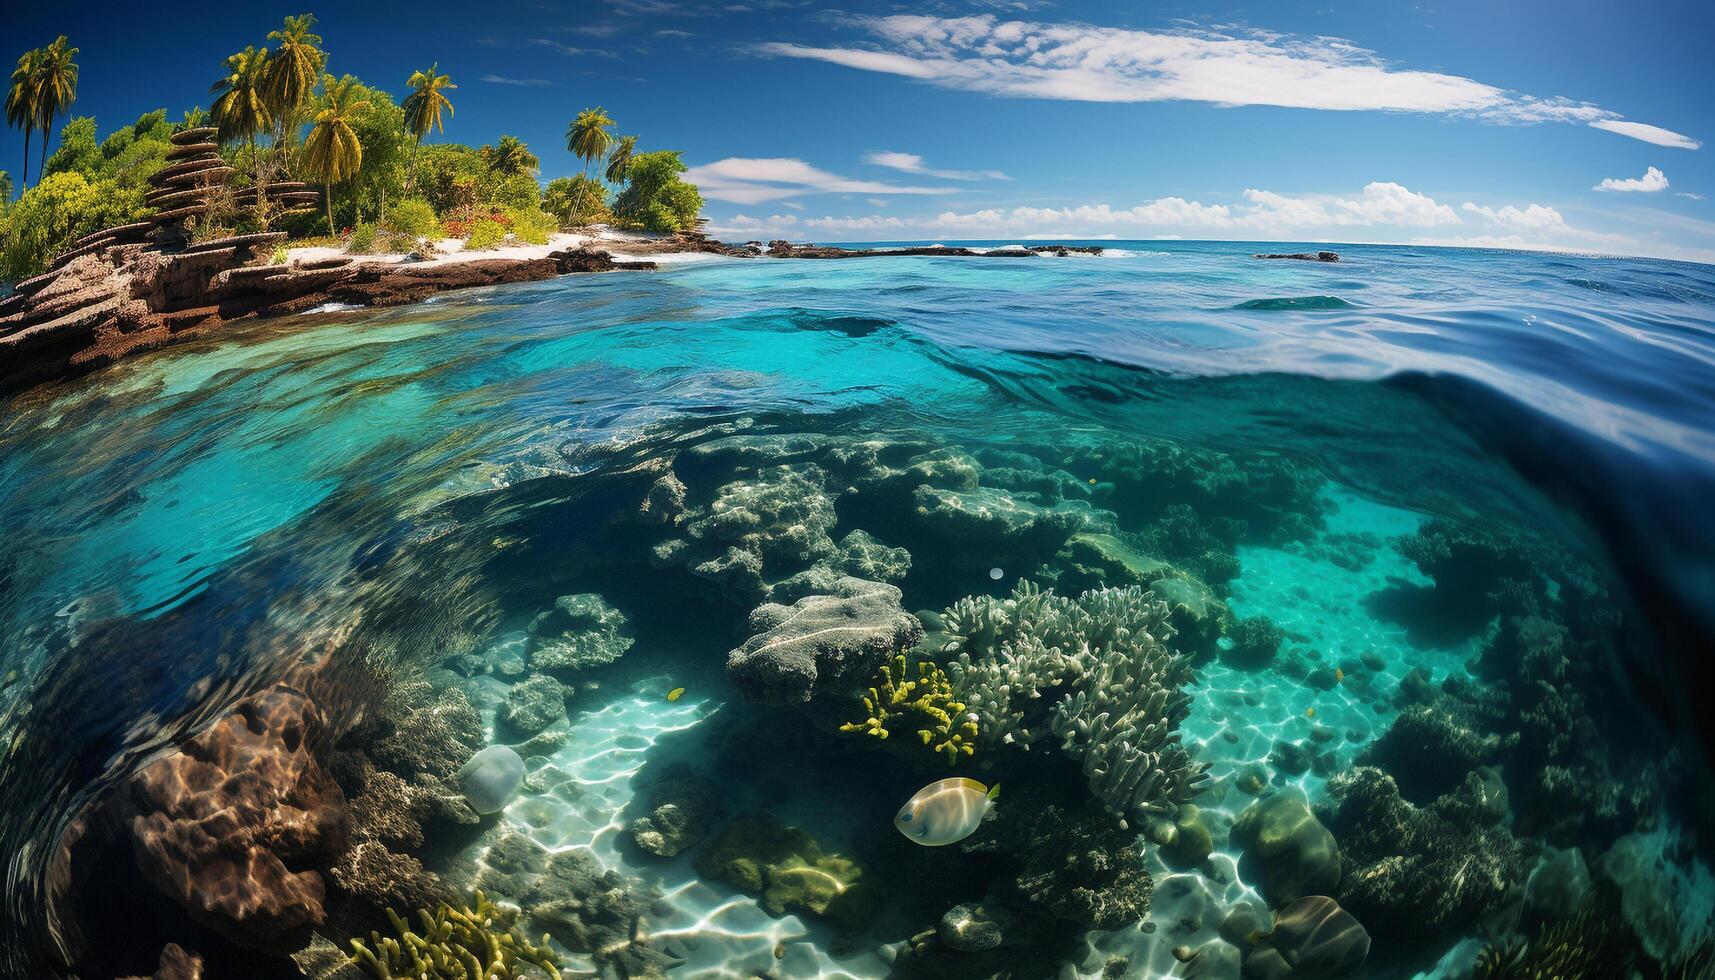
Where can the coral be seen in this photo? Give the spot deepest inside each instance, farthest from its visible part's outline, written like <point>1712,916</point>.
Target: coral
<point>858,554</point>
<point>1589,945</point>
<point>1293,854</point>
<point>584,906</point>
<point>1418,872</point>
<point>424,730</point>
<point>579,632</point>
<point>972,928</point>
<point>532,705</point>
<point>1095,672</point>
<point>1428,750</point>
<point>1255,639</point>
<point>820,643</point>
<point>789,872</point>
<point>458,942</point>
<point>924,708</point>
<point>755,529</point>
<point>221,823</point>
<point>1075,863</point>
<point>1313,939</point>
<point>994,518</point>
<point>681,809</point>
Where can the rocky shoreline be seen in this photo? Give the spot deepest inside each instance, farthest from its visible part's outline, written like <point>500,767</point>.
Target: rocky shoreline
<point>123,291</point>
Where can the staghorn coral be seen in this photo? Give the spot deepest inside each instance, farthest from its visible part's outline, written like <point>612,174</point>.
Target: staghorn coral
<point>458,942</point>
<point>925,707</point>
<point>1586,946</point>
<point>1094,672</point>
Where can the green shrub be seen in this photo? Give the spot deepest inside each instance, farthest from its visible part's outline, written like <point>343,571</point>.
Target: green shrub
<point>413,218</point>
<point>512,191</point>
<point>60,209</point>
<point>485,234</point>
<point>531,226</point>
<point>362,240</point>
<point>397,244</point>
<point>281,254</point>
<point>576,201</point>
<point>654,196</point>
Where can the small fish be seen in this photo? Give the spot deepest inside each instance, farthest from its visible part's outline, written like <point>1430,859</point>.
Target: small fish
<point>675,694</point>
<point>1309,712</point>
<point>1339,675</point>
<point>946,811</point>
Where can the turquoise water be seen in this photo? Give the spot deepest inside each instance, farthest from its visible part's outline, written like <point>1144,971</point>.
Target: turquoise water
<point>1473,483</point>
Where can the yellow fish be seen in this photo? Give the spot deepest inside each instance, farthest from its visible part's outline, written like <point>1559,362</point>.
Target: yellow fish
<point>946,811</point>
<point>675,694</point>
<point>1339,675</point>
<point>1309,712</point>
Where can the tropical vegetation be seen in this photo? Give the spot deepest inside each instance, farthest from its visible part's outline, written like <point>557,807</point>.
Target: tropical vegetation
<point>281,115</point>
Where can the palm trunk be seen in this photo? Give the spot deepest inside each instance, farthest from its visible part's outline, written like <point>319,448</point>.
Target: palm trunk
<point>47,132</point>
<point>327,202</point>
<point>27,131</point>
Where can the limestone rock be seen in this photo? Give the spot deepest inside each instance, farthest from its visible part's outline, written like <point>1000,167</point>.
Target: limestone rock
<point>579,632</point>
<point>972,928</point>
<point>532,705</point>
<point>1292,852</point>
<point>1313,939</point>
<point>821,643</point>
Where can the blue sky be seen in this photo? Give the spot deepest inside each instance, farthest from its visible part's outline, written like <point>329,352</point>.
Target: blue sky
<point>1458,123</point>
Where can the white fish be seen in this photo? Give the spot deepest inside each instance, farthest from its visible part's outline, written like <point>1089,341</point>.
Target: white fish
<point>946,811</point>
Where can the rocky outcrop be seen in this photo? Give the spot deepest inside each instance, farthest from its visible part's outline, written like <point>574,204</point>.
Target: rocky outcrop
<point>222,823</point>
<point>1302,256</point>
<point>116,298</point>
<point>1313,939</point>
<point>819,642</point>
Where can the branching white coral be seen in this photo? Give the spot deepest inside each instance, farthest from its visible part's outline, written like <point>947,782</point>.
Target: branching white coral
<point>1096,672</point>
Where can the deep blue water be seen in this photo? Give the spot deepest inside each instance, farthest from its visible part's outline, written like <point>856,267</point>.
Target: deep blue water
<point>184,529</point>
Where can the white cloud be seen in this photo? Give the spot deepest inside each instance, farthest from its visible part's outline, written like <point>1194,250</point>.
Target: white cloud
<point>753,180</point>
<point>1647,133</point>
<point>911,163</point>
<point>1535,217</point>
<point>1081,62</point>
<point>1653,180</point>
<point>502,80</point>
<point>1689,194</point>
<point>744,224</point>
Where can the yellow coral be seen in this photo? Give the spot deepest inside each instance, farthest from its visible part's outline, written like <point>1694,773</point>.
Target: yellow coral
<point>926,706</point>
<point>457,943</point>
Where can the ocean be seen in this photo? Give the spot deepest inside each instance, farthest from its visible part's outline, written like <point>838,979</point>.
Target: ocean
<point>1309,616</point>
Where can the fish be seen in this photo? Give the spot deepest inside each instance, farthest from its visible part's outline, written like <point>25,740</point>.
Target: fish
<point>675,694</point>
<point>1339,675</point>
<point>1309,712</point>
<point>946,811</point>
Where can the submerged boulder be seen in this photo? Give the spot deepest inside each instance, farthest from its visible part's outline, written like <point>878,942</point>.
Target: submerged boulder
<point>1313,939</point>
<point>580,631</point>
<point>821,643</point>
<point>532,705</point>
<point>680,814</point>
<point>1292,853</point>
<point>789,872</point>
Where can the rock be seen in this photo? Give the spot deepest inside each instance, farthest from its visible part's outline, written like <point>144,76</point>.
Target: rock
<point>1289,850</point>
<point>1245,924</point>
<point>424,730</point>
<point>176,963</point>
<point>1185,841</point>
<point>1255,639</point>
<point>490,778</point>
<point>789,872</point>
<point>1214,960</point>
<point>680,816</point>
<point>973,928</point>
<point>1558,885</point>
<point>532,705</point>
<point>993,519</point>
<point>1313,939</point>
<point>821,643</point>
<point>1654,895</point>
<point>1302,256</point>
<point>221,824</point>
<point>1414,688</point>
<point>1252,780</point>
<point>579,632</point>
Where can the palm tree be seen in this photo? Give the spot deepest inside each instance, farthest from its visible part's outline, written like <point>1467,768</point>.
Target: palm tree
<point>241,110</point>
<point>588,137</point>
<point>22,104</point>
<point>56,88</point>
<point>292,71</point>
<point>620,159</point>
<point>332,151</point>
<point>510,157</point>
<point>423,106</point>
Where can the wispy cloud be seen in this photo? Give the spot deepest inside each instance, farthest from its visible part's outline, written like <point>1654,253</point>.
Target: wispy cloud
<point>1647,133</point>
<point>570,49</point>
<point>1652,181</point>
<point>911,163</point>
<point>753,180</point>
<point>1689,194</point>
<point>1081,62</point>
<point>502,80</point>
